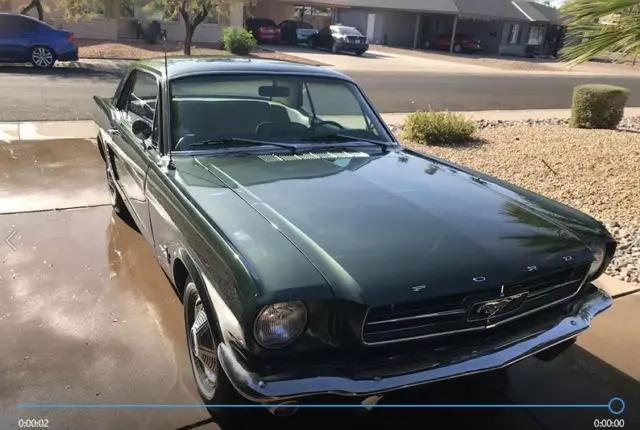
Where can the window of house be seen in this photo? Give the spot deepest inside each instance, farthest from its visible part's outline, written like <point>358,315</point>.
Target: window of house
<point>536,35</point>
<point>514,34</point>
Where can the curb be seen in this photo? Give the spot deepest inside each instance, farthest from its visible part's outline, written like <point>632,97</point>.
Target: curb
<point>86,129</point>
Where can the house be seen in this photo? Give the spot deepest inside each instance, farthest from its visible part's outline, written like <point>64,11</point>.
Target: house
<point>124,26</point>
<point>505,27</point>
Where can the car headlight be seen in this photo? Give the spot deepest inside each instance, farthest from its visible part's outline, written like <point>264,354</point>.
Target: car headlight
<point>599,253</point>
<point>280,324</point>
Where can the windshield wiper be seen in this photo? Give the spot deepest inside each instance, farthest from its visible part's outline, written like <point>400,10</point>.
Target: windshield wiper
<point>237,140</point>
<point>332,137</point>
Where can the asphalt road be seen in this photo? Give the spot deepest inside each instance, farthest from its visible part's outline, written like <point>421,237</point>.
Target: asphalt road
<point>65,94</point>
<point>87,316</point>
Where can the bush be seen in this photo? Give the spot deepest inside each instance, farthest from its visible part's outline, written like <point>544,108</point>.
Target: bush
<point>436,128</point>
<point>238,41</point>
<point>598,106</point>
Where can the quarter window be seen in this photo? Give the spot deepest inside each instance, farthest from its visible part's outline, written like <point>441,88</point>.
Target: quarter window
<point>141,102</point>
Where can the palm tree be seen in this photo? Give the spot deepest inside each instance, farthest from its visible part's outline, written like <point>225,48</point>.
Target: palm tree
<point>583,21</point>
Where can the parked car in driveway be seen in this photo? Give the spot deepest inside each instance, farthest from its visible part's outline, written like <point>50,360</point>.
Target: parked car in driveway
<point>295,32</point>
<point>24,39</point>
<point>461,43</point>
<point>317,255</point>
<point>263,30</point>
<point>339,38</point>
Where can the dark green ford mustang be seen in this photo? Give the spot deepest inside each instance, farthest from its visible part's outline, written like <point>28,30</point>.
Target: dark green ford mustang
<point>316,255</point>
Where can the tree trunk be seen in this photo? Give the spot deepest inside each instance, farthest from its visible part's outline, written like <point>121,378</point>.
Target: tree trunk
<point>37,5</point>
<point>187,39</point>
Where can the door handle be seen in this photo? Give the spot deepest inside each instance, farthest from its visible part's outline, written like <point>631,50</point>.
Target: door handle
<point>113,132</point>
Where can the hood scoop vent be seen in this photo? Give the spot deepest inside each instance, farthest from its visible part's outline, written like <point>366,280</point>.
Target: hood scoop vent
<point>273,158</point>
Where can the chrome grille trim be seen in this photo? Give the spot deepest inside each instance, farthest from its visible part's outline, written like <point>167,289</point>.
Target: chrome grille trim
<point>486,327</point>
<point>416,317</point>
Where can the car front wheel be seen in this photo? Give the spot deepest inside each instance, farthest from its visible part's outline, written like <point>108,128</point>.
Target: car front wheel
<point>311,44</point>
<point>114,195</point>
<point>202,341</point>
<point>334,48</point>
<point>457,48</point>
<point>42,57</point>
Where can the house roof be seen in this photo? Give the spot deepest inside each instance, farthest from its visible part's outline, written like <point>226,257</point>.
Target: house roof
<point>507,10</point>
<point>433,6</point>
<point>551,13</point>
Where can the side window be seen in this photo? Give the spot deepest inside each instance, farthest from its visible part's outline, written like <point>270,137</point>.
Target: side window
<point>9,26</point>
<point>141,101</point>
<point>28,25</point>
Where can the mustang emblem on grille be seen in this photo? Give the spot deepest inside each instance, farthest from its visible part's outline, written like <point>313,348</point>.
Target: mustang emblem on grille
<point>488,309</point>
<point>418,288</point>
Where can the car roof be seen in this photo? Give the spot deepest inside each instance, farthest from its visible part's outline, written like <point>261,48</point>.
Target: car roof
<point>183,66</point>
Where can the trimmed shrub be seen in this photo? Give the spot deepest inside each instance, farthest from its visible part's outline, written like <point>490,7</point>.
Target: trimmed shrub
<point>238,41</point>
<point>438,128</point>
<point>598,106</point>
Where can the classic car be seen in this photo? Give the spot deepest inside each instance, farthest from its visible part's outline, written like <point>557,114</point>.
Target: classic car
<point>316,255</point>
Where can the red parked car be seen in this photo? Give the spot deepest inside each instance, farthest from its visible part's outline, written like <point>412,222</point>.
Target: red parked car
<point>263,30</point>
<point>462,43</point>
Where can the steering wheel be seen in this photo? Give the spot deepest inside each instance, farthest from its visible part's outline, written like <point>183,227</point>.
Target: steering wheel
<point>321,123</point>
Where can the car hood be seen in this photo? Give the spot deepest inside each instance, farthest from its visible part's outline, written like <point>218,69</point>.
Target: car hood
<point>376,226</point>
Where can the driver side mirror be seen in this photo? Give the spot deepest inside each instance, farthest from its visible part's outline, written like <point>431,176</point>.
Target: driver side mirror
<point>141,129</point>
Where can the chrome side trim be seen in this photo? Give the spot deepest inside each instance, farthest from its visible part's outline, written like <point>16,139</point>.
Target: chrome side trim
<point>466,330</point>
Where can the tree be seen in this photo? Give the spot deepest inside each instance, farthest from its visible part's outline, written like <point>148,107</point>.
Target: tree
<point>193,13</point>
<point>592,37</point>
<point>34,4</point>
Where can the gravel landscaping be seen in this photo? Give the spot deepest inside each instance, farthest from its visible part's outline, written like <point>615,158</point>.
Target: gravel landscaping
<point>136,49</point>
<point>596,171</point>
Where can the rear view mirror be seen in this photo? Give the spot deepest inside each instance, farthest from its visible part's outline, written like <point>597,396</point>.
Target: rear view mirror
<point>273,91</point>
<point>141,129</point>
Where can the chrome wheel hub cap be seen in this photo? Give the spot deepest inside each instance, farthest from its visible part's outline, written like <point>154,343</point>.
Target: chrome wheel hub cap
<point>42,57</point>
<point>202,344</point>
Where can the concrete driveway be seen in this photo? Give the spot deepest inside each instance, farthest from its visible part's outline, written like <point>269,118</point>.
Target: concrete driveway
<point>88,317</point>
<point>381,61</point>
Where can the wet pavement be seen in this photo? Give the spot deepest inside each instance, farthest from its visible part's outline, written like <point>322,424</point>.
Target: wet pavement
<point>87,316</point>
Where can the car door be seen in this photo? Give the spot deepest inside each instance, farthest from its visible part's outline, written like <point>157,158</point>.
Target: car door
<point>131,154</point>
<point>10,33</point>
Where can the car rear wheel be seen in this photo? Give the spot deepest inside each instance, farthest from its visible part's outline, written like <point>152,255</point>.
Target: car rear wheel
<point>42,57</point>
<point>202,341</point>
<point>457,48</point>
<point>334,48</point>
<point>311,44</point>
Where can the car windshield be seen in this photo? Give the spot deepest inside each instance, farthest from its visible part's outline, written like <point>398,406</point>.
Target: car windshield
<point>349,31</point>
<point>271,108</point>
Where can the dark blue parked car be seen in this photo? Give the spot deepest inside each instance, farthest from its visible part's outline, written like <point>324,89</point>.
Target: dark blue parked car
<point>24,39</point>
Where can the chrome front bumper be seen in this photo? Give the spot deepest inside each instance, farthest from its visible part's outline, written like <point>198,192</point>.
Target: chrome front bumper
<point>537,339</point>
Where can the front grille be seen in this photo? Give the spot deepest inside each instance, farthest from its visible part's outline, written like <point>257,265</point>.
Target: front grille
<point>356,39</point>
<point>451,314</point>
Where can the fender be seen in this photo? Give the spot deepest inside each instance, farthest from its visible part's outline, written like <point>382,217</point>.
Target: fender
<point>229,328</point>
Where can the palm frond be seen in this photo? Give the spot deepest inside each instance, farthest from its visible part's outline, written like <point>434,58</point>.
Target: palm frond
<point>582,19</point>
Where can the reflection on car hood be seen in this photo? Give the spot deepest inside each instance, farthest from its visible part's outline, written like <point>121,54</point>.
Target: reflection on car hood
<point>375,226</point>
